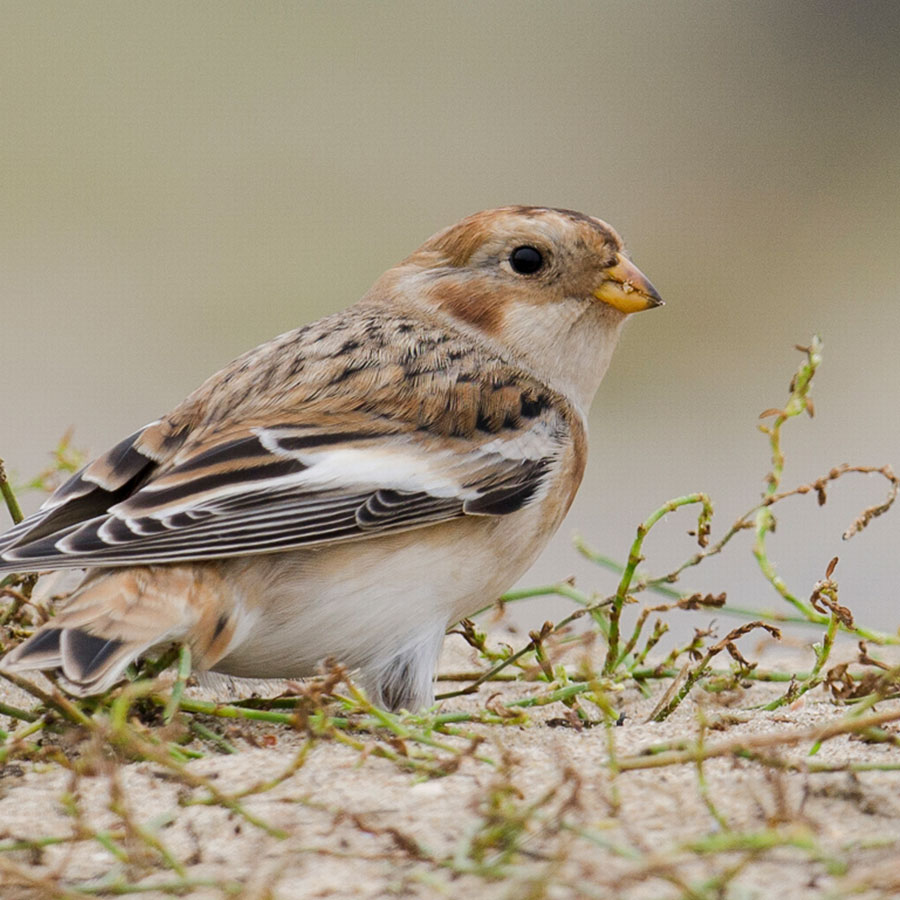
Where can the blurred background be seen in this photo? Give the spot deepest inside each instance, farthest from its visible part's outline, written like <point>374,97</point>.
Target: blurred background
<point>180,182</point>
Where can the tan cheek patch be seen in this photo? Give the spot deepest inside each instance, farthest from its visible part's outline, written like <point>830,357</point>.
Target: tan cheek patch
<point>473,303</point>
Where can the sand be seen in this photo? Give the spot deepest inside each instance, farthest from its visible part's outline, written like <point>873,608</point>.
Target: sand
<point>547,819</point>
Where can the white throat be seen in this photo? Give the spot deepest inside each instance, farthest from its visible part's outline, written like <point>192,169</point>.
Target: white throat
<point>573,339</point>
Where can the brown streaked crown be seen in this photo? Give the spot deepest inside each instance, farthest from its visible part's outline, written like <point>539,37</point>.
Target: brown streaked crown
<point>457,243</point>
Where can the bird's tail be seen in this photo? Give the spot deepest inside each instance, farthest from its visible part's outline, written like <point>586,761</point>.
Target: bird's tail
<point>116,616</point>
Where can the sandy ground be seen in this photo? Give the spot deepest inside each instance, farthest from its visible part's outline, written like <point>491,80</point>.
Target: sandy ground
<point>361,826</point>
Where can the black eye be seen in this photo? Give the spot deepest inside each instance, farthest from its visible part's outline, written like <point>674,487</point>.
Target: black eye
<point>526,260</point>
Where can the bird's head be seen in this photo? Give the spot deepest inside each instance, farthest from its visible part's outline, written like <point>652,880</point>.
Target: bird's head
<point>552,287</point>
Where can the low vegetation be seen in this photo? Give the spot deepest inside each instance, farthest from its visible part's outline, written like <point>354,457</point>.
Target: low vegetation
<point>555,750</point>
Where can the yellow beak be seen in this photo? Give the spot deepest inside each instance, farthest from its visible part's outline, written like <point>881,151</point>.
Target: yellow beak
<point>626,288</point>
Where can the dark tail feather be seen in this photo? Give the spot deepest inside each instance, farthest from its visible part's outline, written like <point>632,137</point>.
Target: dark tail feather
<point>115,616</point>
<point>84,655</point>
<point>40,651</point>
<point>89,664</point>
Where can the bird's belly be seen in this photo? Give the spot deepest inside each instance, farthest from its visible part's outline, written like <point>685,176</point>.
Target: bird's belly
<point>360,601</point>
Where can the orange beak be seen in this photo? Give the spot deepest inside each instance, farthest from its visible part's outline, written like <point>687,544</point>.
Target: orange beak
<point>626,288</point>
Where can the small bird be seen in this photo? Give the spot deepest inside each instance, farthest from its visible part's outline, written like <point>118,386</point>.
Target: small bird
<point>351,488</point>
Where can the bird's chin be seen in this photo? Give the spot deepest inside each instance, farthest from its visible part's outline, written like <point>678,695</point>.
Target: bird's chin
<point>575,342</point>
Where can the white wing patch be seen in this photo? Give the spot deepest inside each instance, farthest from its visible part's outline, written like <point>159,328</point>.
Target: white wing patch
<point>278,488</point>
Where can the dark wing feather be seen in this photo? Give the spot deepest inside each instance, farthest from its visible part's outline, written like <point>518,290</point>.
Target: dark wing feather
<point>240,497</point>
<point>95,488</point>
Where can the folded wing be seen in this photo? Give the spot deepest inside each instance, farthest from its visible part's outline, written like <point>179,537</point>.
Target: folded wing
<point>356,426</point>
<point>277,488</point>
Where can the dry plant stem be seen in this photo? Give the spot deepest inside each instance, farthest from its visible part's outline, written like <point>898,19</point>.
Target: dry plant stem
<point>764,521</point>
<point>332,726</point>
<point>659,586</point>
<point>129,741</point>
<point>760,517</point>
<point>20,597</point>
<point>399,759</point>
<point>667,706</point>
<point>177,888</point>
<point>639,674</point>
<point>391,721</point>
<point>12,504</point>
<point>57,701</point>
<point>702,783</point>
<point>143,749</point>
<point>657,864</point>
<point>15,745</point>
<point>136,833</point>
<point>50,888</point>
<point>750,745</point>
<point>562,589</point>
<point>746,521</point>
<point>645,674</point>
<point>15,713</point>
<point>14,875</point>
<point>583,600</point>
<point>634,560</point>
<point>184,672</point>
<point>798,402</point>
<point>15,512</point>
<point>292,768</point>
<point>873,511</point>
<point>207,734</point>
<point>491,675</point>
<point>809,616</point>
<point>813,679</point>
<point>13,846</point>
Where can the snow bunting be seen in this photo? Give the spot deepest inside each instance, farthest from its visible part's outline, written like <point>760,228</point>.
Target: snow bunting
<point>353,487</point>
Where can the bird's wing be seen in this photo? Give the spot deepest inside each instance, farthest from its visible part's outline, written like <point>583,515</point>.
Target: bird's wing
<point>287,486</point>
<point>462,443</point>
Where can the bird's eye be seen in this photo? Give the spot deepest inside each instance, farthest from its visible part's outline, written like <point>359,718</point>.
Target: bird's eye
<point>526,260</point>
